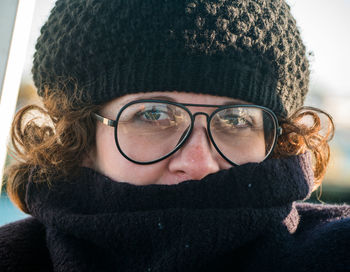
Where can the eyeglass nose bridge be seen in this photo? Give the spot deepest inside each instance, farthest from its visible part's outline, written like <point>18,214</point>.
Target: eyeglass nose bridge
<point>210,139</point>
<point>193,117</point>
<point>200,113</point>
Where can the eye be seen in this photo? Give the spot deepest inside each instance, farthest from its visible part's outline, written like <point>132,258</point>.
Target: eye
<point>230,119</point>
<point>236,121</point>
<point>156,113</point>
<point>235,118</point>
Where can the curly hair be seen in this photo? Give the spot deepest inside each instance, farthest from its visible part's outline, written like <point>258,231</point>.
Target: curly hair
<point>308,129</point>
<point>57,136</point>
<point>53,138</point>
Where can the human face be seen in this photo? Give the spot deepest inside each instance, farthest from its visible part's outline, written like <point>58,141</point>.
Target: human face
<point>193,161</point>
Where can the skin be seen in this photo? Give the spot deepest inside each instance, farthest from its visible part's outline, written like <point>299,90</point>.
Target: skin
<point>195,160</point>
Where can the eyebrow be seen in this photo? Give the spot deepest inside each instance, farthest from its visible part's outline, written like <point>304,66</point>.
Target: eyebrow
<point>168,98</point>
<point>234,102</point>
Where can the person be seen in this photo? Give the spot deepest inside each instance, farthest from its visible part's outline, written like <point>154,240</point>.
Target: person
<point>172,137</point>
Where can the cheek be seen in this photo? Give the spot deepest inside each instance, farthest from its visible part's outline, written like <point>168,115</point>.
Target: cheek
<point>259,150</point>
<point>242,149</point>
<point>109,162</point>
<point>254,150</point>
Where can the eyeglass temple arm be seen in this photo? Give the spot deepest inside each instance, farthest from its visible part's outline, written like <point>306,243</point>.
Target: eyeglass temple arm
<point>104,120</point>
<point>279,131</point>
<point>113,123</point>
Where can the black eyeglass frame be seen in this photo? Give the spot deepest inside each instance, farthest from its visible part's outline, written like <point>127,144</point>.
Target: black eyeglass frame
<point>113,123</point>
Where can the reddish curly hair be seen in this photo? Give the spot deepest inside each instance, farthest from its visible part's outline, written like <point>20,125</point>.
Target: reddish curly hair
<point>57,136</point>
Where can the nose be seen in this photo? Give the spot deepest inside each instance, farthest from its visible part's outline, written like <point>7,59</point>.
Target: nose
<point>197,158</point>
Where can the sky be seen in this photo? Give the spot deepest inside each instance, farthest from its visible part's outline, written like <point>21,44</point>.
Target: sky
<point>325,29</point>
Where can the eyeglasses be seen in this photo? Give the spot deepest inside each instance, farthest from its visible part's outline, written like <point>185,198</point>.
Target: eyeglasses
<point>148,131</point>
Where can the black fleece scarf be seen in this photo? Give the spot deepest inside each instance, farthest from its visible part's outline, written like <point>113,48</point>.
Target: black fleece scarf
<point>223,222</point>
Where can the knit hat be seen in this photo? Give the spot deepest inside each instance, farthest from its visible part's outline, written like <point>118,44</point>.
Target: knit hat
<point>244,49</point>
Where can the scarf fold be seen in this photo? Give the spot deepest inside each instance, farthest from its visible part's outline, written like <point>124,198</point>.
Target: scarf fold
<point>96,224</point>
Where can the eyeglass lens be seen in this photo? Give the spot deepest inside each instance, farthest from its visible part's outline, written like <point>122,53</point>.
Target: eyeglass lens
<point>148,131</point>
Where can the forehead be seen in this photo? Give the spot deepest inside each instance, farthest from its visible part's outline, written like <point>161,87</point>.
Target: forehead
<point>181,97</point>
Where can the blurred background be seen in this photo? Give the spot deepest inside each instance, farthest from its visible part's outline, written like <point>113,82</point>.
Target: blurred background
<point>325,28</point>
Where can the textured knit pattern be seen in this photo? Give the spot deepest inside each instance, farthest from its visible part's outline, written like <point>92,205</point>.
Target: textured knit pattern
<point>23,247</point>
<point>250,50</point>
<point>241,219</point>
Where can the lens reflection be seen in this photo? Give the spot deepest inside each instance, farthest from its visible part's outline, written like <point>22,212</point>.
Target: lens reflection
<point>148,131</point>
<point>244,134</point>
<point>151,130</point>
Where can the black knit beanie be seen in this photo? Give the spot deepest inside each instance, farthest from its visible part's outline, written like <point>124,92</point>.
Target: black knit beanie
<point>244,49</point>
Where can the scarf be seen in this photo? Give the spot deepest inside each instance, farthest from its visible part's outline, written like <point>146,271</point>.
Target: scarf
<point>233,219</point>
